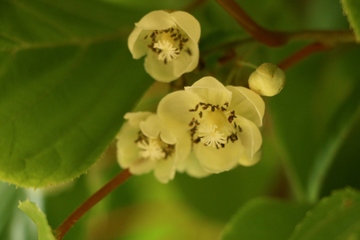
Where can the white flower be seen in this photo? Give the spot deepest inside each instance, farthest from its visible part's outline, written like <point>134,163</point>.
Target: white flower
<point>267,80</point>
<point>222,122</point>
<point>170,41</point>
<point>145,144</point>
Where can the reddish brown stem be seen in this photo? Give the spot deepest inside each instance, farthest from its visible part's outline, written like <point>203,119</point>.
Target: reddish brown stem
<point>278,38</point>
<point>269,38</point>
<point>301,54</point>
<point>90,202</point>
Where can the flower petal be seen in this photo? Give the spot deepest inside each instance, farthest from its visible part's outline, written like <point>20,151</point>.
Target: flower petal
<point>151,126</point>
<point>137,45</point>
<point>141,166</point>
<point>244,161</point>
<point>165,170</point>
<point>219,160</point>
<point>251,139</point>
<point>192,167</point>
<point>156,20</point>
<point>159,70</point>
<point>127,151</point>
<point>210,90</point>
<point>248,104</point>
<point>174,108</point>
<point>134,118</point>
<point>188,23</point>
<point>187,62</point>
<point>182,147</point>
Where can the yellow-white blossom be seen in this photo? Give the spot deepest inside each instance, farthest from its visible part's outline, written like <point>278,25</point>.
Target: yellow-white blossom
<point>222,122</point>
<point>144,144</point>
<point>170,41</point>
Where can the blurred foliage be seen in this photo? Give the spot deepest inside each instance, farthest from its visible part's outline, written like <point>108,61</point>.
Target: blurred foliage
<point>67,78</point>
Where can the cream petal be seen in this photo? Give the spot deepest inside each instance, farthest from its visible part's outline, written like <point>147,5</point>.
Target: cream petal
<point>246,162</point>
<point>174,108</point>
<point>127,151</point>
<point>183,146</point>
<point>248,104</point>
<point>165,170</point>
<point>156,20</point>
<point>211,91</point>
<point>137,44</point>
<point>250,137</point>
<point>141,166</point>
<point>167,136</point>
<point>219,160</point>
<point>159,70</point>
<point>192,167</point>
<point>188,23</point>
<point>186,62</point>
<point>134,118</point>
<point>151,126</point>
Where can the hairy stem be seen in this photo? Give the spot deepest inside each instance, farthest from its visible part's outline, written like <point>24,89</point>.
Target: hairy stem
<point>90,202</point>
<point>278,38</point>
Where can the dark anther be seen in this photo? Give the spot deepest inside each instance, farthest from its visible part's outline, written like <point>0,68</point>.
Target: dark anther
<point>232,116</point>
<point>233,137</point>
<point>188,51</point>
<point>195,109</point>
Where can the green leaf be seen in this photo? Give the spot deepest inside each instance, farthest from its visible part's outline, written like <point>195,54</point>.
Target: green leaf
<point>352,10</point>
<point>8,195</point>
<point>39,218</point>
<point>67,78</point>
<point>340,127</point>
<point>262,219</point>
<point>334,217</point>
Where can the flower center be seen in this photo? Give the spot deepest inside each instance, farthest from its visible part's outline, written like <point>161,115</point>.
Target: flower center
<point>210,136</point>
<point>213,125</point>
<point>153,149</point>
<point>168,43</point>
<point>166,51</point>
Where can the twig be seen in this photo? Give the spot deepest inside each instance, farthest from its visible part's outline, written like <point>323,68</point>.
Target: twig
<point>278,38</point>
<point>301,54</point>
<point>90,202</point>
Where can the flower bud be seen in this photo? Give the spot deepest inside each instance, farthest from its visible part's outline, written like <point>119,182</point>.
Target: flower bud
<point>267,80</point>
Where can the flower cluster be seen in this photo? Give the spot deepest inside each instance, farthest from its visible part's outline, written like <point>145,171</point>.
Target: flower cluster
<point>205,128</point>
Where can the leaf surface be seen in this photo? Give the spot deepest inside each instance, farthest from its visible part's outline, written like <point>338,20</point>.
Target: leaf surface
<point>66,80</point>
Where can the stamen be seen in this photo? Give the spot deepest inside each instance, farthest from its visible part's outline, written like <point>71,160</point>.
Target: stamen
<point>211,137</point>
<point>212,117</point>
<point>167,52</point>
<point>150,149</point>
<point>153,149</point>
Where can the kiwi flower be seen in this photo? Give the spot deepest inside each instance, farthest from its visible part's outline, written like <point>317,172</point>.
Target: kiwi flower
<point>170,42</point>
<point>222,122</point>
<point>144,144</point>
